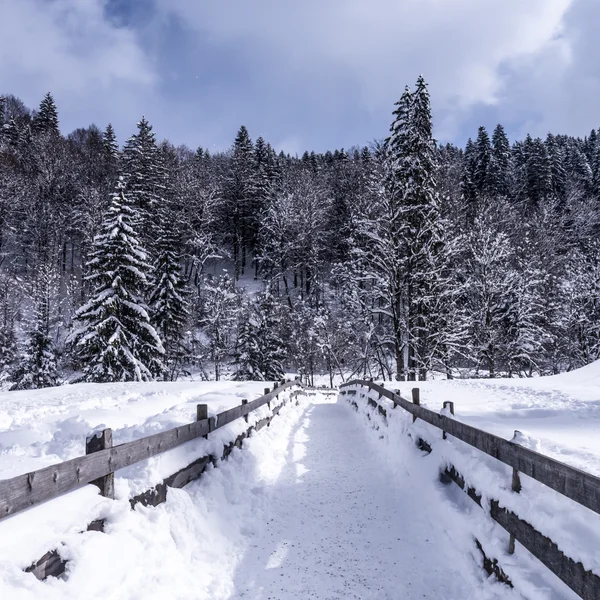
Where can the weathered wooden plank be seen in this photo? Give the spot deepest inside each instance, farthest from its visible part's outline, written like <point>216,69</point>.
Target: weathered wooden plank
<point>38,486</point>
<point>95,443</point>
<point>50,565</point>
<point>584,583</point>
<point>158,494</point>
<point>230,415</point>
<point>29,489</point>
<point>565,479</point>
<point>492,567</point>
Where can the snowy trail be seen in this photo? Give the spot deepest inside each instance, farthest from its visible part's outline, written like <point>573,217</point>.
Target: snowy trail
<point>309,508</point>
<point>340,527</point>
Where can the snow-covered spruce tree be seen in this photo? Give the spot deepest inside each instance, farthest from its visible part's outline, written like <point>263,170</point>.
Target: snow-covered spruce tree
<point>37,366</point>
<point>260,349</point>
<point>115,340</point>
<point>145,180</point>
<point>46,119</point>
<point>500,170</point>
<point>168,300</point>
<point>412,156</point>
<point>110,153</point>
<point>240,195</point>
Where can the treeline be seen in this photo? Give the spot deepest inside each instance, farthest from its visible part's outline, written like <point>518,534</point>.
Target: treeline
<point>390,261</point>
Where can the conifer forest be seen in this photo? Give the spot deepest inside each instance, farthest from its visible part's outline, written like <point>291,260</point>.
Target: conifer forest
<point>402,260</point>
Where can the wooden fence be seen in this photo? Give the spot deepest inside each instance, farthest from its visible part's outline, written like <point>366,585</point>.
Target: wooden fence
<point>573,483</point>
<point>102,460</point>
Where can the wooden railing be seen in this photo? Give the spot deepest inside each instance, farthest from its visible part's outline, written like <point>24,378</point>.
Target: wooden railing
<point>572,483</point>
<point>29,489</point>
<point>102,460</point>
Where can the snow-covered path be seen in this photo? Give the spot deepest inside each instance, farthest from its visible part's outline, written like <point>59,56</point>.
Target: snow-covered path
<point>340,526</point>
<point>309,508</point>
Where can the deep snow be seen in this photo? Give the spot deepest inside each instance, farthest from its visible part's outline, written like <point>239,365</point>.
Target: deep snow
<point>306,510</point>
<point>326,503</point>
<point>560,415</point>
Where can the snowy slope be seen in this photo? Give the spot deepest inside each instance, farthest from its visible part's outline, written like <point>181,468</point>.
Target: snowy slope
<point>560,414</point>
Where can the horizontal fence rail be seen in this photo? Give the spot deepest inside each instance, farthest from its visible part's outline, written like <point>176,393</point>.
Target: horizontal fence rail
<point>27,490</point>
<point>573,483</point>
<point>569,481</point>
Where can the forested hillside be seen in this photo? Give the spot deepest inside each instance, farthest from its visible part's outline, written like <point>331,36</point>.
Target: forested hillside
<point>391,261</point>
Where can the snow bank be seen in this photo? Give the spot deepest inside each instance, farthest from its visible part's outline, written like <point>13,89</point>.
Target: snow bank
<point>561,413</point>
<point>575,529</point>
<point>185,548</point>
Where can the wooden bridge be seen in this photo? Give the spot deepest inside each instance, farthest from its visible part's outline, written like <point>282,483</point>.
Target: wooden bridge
<point>102,460</point>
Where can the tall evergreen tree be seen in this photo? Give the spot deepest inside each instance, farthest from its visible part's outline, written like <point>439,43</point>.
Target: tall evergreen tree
<point>115,340</point>
<point>240,197</point>
<point>145,179</point>
<point>37,367</point>
<point>168,301</point>
<point>500,165</point>
<point>482,160</point>
<point>46,119</point>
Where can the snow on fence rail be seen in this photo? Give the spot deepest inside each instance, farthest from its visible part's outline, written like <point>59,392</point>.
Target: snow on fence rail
<point>103,459</point>
<point>569,481</point>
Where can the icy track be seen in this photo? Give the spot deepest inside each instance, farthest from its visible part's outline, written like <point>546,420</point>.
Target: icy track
<point>308,509</point>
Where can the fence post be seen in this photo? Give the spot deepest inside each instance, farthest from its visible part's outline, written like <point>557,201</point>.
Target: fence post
<point>416,400</point>
<point>516,487</point>
<point>94,443</point>
<point>245,416</point>
<point>202,415</point>
<point>449,405</point>
<point>267,390</point>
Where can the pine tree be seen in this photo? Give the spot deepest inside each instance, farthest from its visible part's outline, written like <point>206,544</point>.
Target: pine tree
<point>46,119</point>
<point>37,366</point>
<point>115,340</point>
<point>500,164</point>
<point>421,210</point>
<point>467,185</point>
<point>260,350</point>
<point>168,301</point>
<point>240,198</point>
<point>557,168</point>
<point>145,178</point>
<point>482,160</point>
<point>110,149</point>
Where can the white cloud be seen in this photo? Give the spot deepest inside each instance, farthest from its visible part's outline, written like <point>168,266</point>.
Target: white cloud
<point>311,74</point>
<point>461,46</point>
<point>68,47</point>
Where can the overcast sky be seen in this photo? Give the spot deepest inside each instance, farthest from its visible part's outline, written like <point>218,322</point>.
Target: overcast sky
<point>308,74</point>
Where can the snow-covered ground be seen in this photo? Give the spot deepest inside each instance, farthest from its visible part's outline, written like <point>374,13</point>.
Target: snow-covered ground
<point>305,510</point>
<point>320,505</point>
<point>560,414</point>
